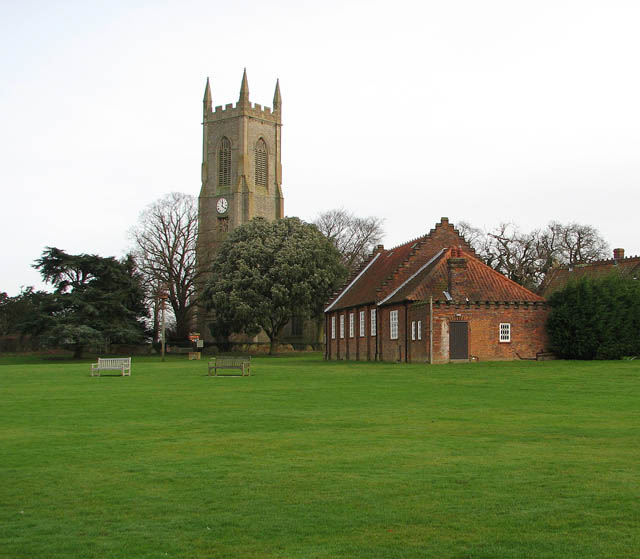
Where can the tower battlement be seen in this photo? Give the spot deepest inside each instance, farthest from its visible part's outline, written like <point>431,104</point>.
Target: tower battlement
<point>243,107</point>
<point>231,111</point>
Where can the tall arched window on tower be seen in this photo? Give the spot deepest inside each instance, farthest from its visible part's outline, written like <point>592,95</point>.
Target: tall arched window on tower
<point>224,162</point>
<point>261,163</point>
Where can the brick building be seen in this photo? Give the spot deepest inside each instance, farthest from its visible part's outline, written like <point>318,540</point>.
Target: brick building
<point>433,300</point>
<point>559,277</point>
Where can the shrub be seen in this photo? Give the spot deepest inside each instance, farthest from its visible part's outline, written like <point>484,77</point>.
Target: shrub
<point>596,319</point>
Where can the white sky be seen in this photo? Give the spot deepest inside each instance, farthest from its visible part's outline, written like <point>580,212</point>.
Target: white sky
<point>484,111</point>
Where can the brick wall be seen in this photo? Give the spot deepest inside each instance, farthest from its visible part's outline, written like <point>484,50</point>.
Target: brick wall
<point>356,347</point>
<point>528,333</point>
<point>392,349</point>
<point>418,349</point>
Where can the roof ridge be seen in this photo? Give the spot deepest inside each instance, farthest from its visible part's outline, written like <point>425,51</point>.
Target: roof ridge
<point>417,239</point>
<point>601,261</point>
<point>432,231</point>
<point>415,274</point>
<point>404,263</point>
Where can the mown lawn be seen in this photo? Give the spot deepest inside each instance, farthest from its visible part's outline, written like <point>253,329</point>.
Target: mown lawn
<point>309,459</point>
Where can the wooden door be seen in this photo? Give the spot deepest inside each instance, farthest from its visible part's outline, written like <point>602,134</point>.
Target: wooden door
<point>458,340</point>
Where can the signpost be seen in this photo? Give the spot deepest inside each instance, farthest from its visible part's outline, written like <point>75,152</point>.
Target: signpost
<point>163,295</point>
<point>195,338</point>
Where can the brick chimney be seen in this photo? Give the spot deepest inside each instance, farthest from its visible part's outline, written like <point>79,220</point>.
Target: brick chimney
<point>378,249</point>
<point>457,274</point>
<point>618,253</point>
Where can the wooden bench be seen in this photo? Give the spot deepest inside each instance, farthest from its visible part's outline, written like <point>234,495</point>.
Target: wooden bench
<point>122,364</point>
<point>241,363</point>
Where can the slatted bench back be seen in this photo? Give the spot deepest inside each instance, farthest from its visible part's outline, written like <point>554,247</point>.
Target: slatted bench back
<point>230,361</point>
<point>109,363</point>
<point>234,362</point>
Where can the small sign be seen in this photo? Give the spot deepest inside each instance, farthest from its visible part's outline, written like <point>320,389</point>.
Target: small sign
<point>200,343</point>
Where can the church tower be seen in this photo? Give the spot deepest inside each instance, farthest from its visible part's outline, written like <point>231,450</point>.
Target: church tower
<point>241,171</point>
<point>241,167</point>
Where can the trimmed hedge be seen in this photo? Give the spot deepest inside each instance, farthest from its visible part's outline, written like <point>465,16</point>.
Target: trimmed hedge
<point>596,319</point>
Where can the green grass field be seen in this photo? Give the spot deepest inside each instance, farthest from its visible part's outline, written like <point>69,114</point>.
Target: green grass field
<point>313,459</point>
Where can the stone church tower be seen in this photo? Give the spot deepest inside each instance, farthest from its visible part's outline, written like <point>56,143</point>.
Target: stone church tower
<point>241,170</point>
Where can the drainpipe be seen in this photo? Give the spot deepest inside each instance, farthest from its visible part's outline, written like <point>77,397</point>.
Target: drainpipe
<point>430,330</point>
<point>406,332</point>
<point>377,331</point>
<point>327,340</point>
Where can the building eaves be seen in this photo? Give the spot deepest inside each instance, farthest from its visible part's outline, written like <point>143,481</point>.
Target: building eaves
<point>355,280</point>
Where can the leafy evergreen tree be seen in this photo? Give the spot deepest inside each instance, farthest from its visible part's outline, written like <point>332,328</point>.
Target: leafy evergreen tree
<point>265,272</point>
<point>596,319</point>
<point>14,310</point>
<point>96,300</point>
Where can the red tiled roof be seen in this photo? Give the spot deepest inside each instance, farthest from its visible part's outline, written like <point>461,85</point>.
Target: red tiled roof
<point>481,283</point>
<point>418,269</point>
<point>558,278</point>
<point>373,274</point>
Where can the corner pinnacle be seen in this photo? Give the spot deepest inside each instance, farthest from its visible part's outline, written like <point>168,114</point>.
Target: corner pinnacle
<point>207,97</point>
<point>244,90</point>
<point>277,100</point>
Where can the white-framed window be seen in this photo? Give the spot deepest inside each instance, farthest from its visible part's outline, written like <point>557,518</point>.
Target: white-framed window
<point>374,322</point>
<point>352,325</point>
<point>333,327</point>
<point>342,326</point>
<point>419,329</point>
<point>362,323</point>
<point>413,330</point>
<point>393,325</point>
<point>505,332</point>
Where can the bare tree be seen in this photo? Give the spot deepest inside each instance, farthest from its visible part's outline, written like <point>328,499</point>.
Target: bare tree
<point>526,257</point>
<point>576,243</point>
<point>165,240</point>
<point>514,253</point>
<point>355,237</point>
<point>475,236</point>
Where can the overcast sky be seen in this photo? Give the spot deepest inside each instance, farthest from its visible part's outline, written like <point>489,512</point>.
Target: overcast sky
<point>483,111</point>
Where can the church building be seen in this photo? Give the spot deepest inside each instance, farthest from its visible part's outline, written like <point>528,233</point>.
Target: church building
<point>432,300</point>
<point>241,179</point>
<point>241,168</point>
<point>241,172</point>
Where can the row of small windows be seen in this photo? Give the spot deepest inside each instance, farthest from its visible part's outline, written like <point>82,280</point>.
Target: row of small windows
<point>362,325</point>
<point>416,327</point>
<point>260,163</point>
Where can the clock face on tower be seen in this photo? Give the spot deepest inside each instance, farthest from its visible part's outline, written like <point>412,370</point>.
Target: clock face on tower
<point>222,205</point>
